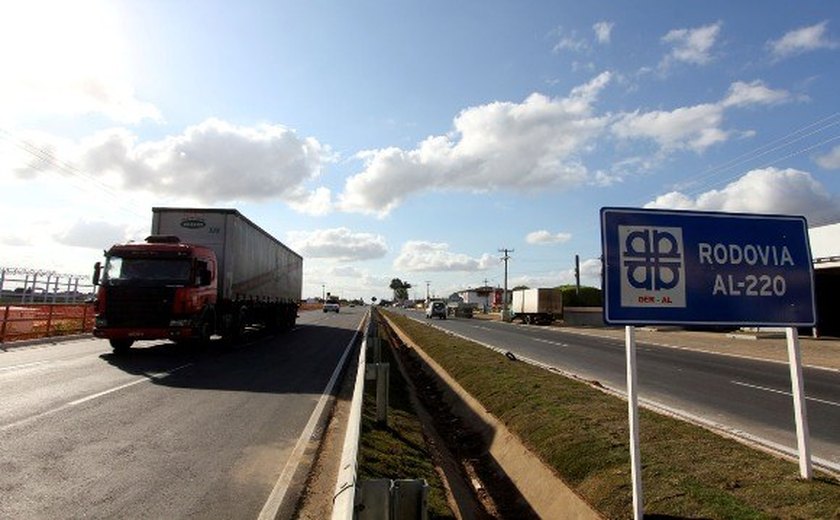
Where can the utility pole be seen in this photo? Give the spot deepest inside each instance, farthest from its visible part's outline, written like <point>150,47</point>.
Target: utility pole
<point>505,258</point>
<point>427,291</point>
<point>577,275</point>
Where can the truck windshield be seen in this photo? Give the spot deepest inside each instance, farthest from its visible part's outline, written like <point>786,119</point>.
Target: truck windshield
<point>141,270</point>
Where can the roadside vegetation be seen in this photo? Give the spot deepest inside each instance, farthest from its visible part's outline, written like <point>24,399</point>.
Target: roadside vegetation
<point>582,433</point>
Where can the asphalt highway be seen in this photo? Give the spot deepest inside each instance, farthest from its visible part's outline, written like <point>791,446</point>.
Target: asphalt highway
<point>747,397</point>
<point>164,431</point>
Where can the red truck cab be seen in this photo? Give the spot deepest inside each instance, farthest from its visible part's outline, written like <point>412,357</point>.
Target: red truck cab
<point>159,289</point>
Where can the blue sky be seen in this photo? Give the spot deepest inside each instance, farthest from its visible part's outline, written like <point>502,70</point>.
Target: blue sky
<point>410,139</point>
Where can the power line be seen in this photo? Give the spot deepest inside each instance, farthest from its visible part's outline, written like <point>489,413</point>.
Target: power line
<point>786,141</point>
<point>46,158</point>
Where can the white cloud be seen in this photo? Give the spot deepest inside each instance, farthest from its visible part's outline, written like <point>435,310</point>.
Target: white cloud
<point>338,243</point>
<point>831,160</point>
<point>501,145</point>
<point>743,94</point>
<point>429,256</point>
<point>211,162</point>
<point>802,40</point>
<point>696,127</point>
<point>603,31</point>
<point>68,59</point>
<point>569,41</point>
<point>545,237</point>
<point>590,269</point>
<point>346,271</point>
<point>767,191</point>
<point>92,234</point>
<point>693,46</point>
<point>317,202</point>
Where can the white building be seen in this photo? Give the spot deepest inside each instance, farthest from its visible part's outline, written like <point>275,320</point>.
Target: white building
<point>825,251</point>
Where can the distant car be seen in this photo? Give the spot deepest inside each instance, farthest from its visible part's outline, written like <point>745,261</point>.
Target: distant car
<point>436,309</point>
<point>331,306</point>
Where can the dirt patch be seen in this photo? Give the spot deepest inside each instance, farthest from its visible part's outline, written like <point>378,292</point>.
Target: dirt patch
<point>317,499</point>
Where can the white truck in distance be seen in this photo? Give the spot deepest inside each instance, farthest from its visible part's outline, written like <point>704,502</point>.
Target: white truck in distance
<point>537,305</point>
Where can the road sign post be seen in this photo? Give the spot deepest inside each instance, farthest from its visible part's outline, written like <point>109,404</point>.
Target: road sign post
<point>799,410</point>
<point>633,415</point>
<point>704,268</point>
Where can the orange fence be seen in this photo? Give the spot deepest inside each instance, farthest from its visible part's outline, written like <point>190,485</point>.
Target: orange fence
<point>29,321</point>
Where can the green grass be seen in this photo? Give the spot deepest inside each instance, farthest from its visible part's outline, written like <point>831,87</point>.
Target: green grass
<point>398,450</point>
<point>582,434</point>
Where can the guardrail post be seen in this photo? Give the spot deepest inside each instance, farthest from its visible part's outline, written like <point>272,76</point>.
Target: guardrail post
<point>374,499</point>
<point>383,380</point>
<point>376,345</point>
<point>386,499</point>
<point>381,373</point>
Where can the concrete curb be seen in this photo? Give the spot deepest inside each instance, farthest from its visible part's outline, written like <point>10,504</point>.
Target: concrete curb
<point>51,340</point>
<point>547,495</point>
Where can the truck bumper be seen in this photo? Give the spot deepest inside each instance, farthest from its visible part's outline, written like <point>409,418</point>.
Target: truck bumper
<point>150,333</point>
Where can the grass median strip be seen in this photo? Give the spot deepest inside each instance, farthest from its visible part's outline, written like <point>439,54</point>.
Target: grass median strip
<point>582,434</point>
<point>398,450</point>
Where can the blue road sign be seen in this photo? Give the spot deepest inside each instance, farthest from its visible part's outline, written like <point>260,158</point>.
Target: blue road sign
<point>689,267</point>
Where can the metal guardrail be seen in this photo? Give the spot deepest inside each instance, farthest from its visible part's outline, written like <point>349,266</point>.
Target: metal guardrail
<point>373,499</point>
<point>344,498</point>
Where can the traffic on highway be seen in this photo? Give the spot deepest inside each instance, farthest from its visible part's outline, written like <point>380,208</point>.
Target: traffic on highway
<point>165,431</point>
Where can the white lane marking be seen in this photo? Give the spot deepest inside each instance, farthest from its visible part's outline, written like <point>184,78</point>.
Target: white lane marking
<point>549,342</point>
<point>91,397</point>
<point>23,366</point>
<point>281,487</point>
<point>782,392</point>
<point>483,328</point>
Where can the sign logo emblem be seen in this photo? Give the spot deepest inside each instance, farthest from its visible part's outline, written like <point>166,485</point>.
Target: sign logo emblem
<point>192,223</point>
<point>652,266</point>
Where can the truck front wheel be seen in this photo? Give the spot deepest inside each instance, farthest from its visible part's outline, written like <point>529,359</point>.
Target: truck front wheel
<point>121,345</point>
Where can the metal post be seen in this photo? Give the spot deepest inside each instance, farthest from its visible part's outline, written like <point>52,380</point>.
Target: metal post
<point>800,413</point>
<point>505,315</point>
<point>633,412</point>
<point>376,345</point>
<point>25,285</point>
<point>46,289</point>
<point>383,380</point>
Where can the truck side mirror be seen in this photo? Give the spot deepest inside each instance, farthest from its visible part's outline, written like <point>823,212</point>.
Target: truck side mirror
<point>97,270</point>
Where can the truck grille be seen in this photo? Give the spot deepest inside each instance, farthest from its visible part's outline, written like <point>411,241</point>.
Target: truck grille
<point>139,306</point>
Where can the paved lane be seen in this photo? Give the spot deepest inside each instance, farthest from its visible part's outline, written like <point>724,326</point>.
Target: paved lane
<point>163,432</point>
<point>741,395</point>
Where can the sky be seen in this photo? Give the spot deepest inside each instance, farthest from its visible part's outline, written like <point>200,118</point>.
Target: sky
<point>410,140</point>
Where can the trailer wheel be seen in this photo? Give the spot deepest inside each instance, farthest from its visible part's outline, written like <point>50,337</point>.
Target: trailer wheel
<point>121,346</point>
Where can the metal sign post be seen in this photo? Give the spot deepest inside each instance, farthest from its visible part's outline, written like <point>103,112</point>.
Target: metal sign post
<point>633,413</point>
<point>798,391</point>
